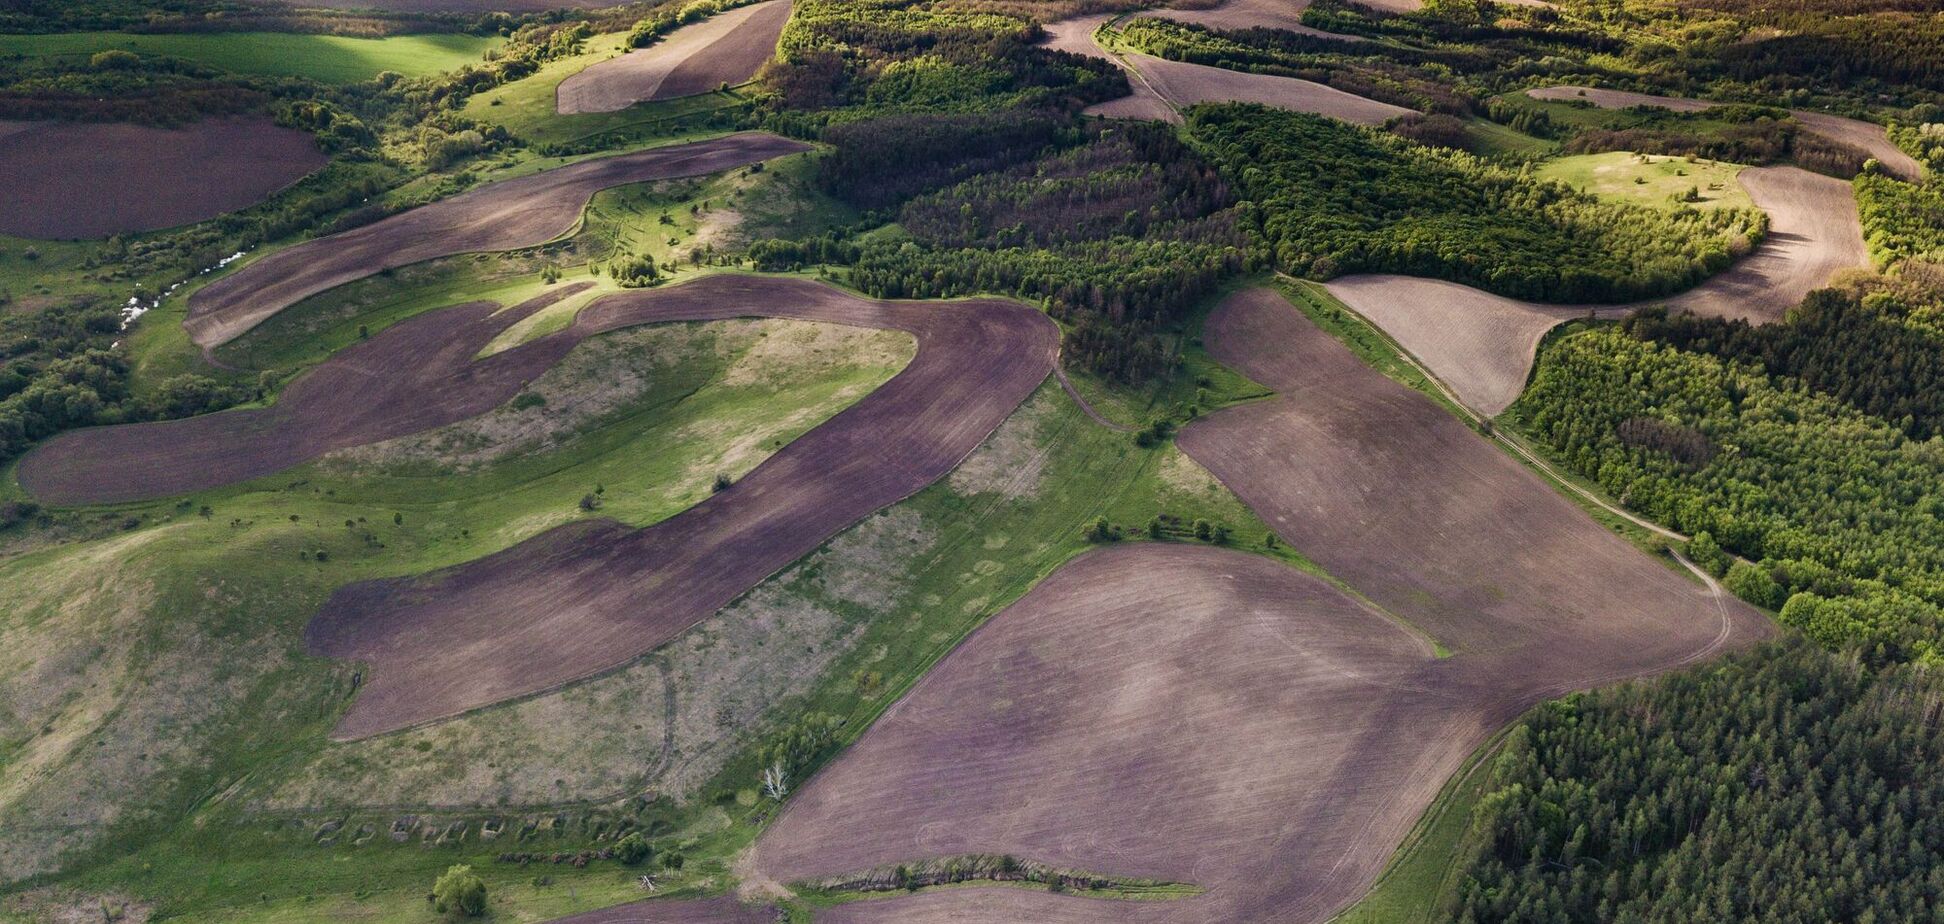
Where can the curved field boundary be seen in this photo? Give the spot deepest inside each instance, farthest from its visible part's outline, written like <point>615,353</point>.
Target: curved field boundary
<point>1076,35</point>
<point>85,180</point>
<point>1219,719</point>
<point>414,376</point>
<point>587,597</point>
<point>1483,345</point>
<point>1867,136</point>
<point>1183,84</point>
<point>725,48</point>
<point>1162,87</point>
<point>505,215</point>
<point>1234,15</point>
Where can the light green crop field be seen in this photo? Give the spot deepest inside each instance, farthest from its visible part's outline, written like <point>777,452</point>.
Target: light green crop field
<point>1652,179</point>
<point>325,58</point>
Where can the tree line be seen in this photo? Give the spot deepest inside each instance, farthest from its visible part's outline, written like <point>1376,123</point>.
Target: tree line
<point>1780,786</point>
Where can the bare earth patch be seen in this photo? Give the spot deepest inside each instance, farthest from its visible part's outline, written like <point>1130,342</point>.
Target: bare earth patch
<point>1161,88</point>
<point>1482,345</point>
<point>505,215</point>
<point>89,179</point>
<point>725,48</point>
<point>1867,136</point>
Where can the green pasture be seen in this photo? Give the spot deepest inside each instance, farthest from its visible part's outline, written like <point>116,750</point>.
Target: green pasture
<point>324,58</point>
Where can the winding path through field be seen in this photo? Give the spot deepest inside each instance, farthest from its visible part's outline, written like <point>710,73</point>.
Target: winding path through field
<point>1483,345</point>
<point>1866,136</point>
<point>505,215</point>
<point>726,48</point>
<point>591,596</point>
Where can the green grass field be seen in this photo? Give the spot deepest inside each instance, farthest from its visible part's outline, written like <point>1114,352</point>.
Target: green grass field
<point>1652,179</point>
<point>325,58</point>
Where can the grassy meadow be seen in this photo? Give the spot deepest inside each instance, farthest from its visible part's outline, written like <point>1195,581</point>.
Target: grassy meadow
<point>325,58</point>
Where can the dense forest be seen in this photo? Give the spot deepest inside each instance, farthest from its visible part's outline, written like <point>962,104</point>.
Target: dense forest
<point>1781,786</point>
<point>1838,512</point>
<point>1331,198</point>
<point>1851,344</point>
<point>1119,230</point>
<point>1901,221</point>
<point>885,56</point>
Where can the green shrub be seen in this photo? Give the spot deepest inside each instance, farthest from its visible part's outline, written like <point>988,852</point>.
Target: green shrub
<point>459,893</point>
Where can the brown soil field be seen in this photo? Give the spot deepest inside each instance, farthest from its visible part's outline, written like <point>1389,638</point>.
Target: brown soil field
<point>1251,14</point>
<point>84,180</point>
<point>509,214</point>
<point>1199,715</point>
<point>1186,84</point>
<point>725,48</point>
<point>593,595</point>
<point>1867,136</point>
<point>723,910</point>
<point>1483,345</point>
<point>1479,344</point>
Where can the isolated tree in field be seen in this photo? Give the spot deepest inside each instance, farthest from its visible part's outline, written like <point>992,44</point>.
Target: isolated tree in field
<point>1203,531</point>
<point>589,503</point>
<point>459,893</point>
<point>632,849</point>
